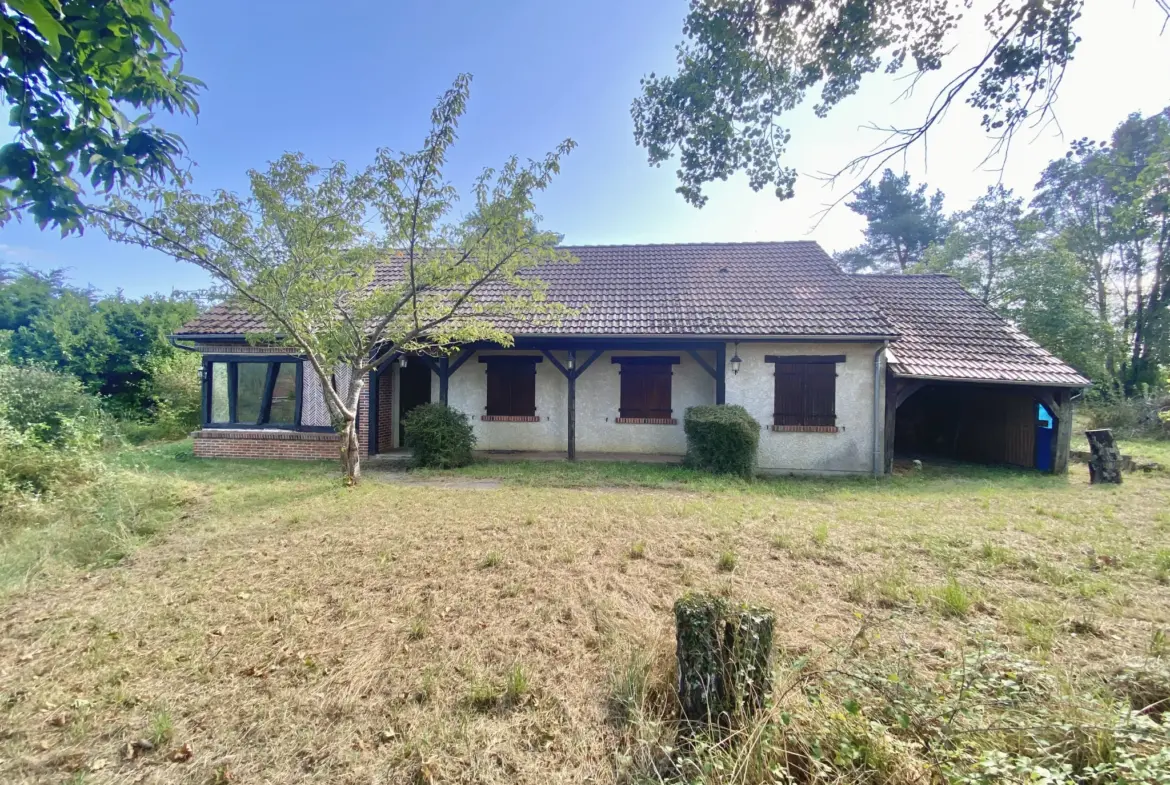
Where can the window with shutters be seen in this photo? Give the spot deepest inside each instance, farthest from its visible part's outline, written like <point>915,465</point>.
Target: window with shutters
<point>806,393</point>
<point>511,388</point>
<point>645,390</point>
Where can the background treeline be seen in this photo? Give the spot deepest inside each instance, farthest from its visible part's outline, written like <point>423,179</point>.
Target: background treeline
<point>1082,266</point>
<point>79,375</point>
<point>110,348</point>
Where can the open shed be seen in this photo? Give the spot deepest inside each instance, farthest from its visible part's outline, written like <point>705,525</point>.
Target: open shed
<point>964,384</point>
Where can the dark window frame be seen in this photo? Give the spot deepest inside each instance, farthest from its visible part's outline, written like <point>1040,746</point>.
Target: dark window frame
<point>645,367</point>
<point>273,362</point>
<point>498,363</point>
<point>810,370</point>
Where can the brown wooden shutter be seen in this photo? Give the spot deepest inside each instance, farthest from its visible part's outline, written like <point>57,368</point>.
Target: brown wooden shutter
<point>498,395</point>
<point>523,383</point>
<point>820,394</point>
<point>806,393</point>
<point>645,391</point>
<point>511,388</point>
<point>789,394</point>
<point>657,390</point>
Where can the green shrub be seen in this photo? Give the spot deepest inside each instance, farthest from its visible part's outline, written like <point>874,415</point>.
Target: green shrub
<point>1132,417</point>
<point>50,405</point>
<point>50,433</point>
<point>441,437</point>
<point>722,439</point>
<point>29,465</point>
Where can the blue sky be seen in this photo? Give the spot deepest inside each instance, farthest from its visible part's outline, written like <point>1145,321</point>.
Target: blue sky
<point>336,81</point>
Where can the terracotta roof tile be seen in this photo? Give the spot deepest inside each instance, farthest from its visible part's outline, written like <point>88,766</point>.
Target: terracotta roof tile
<point>784,288</point>
<point>765,289</point>
<point>946,333</point>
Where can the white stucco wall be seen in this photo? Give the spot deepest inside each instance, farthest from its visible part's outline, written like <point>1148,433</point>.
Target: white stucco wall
<point>850,450</point>
<point>598,400</point>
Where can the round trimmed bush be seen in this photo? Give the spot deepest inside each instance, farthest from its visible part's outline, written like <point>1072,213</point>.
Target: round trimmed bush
<point>441,437</point>
<point>722,439</point>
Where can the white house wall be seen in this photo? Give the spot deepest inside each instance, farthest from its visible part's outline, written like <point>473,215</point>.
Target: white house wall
<point>598,400</point>
<point>850,450</point>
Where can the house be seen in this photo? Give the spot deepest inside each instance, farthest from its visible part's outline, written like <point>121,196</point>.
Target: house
<point>841,370</point>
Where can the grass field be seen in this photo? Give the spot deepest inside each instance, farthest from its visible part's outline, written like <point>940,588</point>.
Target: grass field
<point>482,625</point>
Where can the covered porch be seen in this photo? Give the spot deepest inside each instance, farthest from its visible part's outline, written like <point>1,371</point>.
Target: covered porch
<point>571,398</point>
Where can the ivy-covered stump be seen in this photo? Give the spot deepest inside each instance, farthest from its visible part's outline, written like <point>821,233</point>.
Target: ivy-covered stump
<point>724,661</point>
<point>1104,457</point>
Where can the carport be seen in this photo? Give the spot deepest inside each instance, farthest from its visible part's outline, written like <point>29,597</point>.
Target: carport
<point>1015,425</point>
<point>963,384</point>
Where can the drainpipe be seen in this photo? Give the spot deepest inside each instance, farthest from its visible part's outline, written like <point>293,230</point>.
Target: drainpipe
<point>877,410</point>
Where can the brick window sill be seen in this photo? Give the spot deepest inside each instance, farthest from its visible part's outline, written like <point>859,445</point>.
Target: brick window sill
<point>805,428</point>
<point>646,421</point>
<point>508,418</point>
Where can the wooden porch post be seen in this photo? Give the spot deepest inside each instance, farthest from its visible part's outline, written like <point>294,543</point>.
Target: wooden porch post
<point>1064,429</point>
<point>721,373</point>
<point>571,377</point>
<point>444,376</point>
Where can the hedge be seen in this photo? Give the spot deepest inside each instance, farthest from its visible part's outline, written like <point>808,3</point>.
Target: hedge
<point>722,439</point>
<point>439,436</point>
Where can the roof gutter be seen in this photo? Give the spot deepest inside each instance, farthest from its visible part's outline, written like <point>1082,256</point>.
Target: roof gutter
<point>173,340</point>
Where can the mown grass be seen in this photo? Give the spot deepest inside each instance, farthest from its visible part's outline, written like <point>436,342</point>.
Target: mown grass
<point>292,630</point>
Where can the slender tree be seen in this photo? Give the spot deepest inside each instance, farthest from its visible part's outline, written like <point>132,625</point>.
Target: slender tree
<point>344,266</point>
<point>901,223</point>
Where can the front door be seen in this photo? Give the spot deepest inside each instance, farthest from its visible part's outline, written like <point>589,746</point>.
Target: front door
<point>414,386</point>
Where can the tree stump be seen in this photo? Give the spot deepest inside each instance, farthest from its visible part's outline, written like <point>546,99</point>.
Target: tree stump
<point>1104,458</point>
<point>724,661</point>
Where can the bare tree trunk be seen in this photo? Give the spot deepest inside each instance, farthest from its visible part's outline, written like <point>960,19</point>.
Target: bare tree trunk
<point>351,456</point>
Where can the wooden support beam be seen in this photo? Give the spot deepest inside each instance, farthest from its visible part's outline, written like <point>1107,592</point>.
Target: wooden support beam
<point>721,374</point>
<point>571,375</point>
<point>596,353</point>
<point>906,388</point>
<point>557,363</point>
<point>1064,429</point>
<point>706,366</point>
<point>463,356</point>
<point>386,360</point>
<point>444,372</point>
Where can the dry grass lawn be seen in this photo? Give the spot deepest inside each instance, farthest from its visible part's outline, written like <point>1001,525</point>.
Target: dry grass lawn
<point>287,630</point>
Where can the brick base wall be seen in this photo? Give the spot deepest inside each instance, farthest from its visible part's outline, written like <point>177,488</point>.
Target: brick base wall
<point>287,445</point>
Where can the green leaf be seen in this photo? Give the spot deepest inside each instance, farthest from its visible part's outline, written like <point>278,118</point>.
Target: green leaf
<point>46,24</point>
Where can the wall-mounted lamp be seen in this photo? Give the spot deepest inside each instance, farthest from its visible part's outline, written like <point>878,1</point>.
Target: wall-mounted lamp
<point>572,361</point>
<point>402,361</point>
<point>735,361</point>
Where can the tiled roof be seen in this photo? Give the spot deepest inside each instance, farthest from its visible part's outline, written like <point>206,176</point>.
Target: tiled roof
<point>726,289</point>
<point>765,289</point>
<point>946,333</point>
